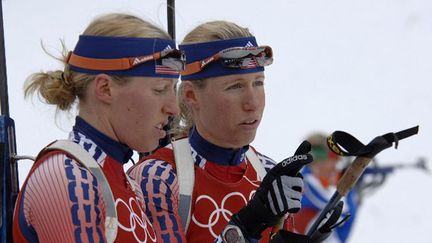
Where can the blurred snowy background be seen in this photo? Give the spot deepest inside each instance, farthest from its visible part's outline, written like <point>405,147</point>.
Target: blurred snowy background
<point>362,67</point>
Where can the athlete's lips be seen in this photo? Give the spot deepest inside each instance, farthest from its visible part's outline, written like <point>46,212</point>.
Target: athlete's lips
<point>161,124</point>
<point>159,127</point>
<point>249,123</point>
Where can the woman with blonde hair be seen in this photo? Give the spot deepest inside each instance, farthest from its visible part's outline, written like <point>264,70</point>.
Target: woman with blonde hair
<point>122,76</point>
<point>199,184</point>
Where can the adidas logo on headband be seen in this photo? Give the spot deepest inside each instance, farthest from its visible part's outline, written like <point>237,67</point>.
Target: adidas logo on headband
<point>168,47</point>
<point>249,44</point>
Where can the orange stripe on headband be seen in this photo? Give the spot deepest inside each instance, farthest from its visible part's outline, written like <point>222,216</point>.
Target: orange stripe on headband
<point>197,66</point>
<point>113,64</point>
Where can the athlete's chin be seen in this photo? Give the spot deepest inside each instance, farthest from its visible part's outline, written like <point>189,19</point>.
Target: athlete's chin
<point>244,139</point>
<point>148,146</point>
<point>151,142</point>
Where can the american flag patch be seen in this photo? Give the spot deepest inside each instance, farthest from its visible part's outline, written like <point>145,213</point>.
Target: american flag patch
<point>161,69</point>
<point>251,63</point>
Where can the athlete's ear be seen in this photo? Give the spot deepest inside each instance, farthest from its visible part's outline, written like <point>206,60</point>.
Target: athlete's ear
<point>102,88</point>
<point>189,94</point>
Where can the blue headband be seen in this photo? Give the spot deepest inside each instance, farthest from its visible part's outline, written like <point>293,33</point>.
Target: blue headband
<point>200,51</point>
<point>108,47</point>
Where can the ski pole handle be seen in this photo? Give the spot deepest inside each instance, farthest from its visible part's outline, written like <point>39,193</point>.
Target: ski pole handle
<point>352,174</point>
<point>344,144</point>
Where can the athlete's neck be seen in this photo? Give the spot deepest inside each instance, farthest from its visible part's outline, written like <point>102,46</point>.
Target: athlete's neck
<point>214,153</point>
<point>119,152</point>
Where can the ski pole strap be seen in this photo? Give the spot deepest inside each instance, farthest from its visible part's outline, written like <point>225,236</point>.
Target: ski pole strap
<point>345,144</point>
<point>186,178</point>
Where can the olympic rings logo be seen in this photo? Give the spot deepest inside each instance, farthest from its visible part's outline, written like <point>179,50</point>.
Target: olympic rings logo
<point>137,221</point>
<point>220,212</point>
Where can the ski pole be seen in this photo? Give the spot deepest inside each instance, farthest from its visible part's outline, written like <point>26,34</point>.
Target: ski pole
<point>171,30</point>
<point>171,18</point>
<point>346,145</point>
<point>8,167</point>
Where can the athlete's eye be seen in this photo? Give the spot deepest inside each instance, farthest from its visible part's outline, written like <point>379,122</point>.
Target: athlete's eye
<point>161,90</point>
<point>235,86</point>
<point>259,83</point>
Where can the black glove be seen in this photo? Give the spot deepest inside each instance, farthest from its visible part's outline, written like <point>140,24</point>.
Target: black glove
<point>289,237</point>
<point>323,232</point>
<point>280,192</point>
<point>328,223</point>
